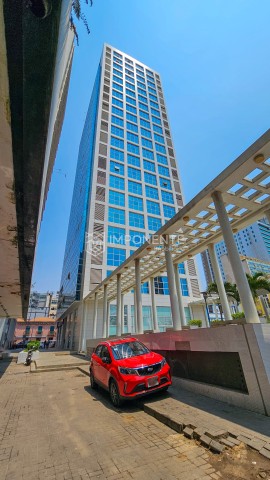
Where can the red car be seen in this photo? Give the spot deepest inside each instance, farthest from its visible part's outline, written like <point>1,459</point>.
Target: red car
<point>127,369</point>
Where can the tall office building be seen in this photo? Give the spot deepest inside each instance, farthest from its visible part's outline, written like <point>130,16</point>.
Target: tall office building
<point>253,241</point>
<point>126,186</point>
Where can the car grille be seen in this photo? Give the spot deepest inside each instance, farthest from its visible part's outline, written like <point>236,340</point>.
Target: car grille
<point>149,370</point>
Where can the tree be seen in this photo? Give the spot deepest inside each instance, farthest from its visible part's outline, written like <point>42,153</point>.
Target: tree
<point>76,8</point>
<point>258,284</point>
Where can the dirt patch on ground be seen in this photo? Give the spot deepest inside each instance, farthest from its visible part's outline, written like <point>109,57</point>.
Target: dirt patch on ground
<point>241,463</point>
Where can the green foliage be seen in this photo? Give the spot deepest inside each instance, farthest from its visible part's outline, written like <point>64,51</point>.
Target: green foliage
<point>194,322</point>
<point>217,322</point>
<point>32,345</point>
<point>238,315</point>
<point>77,11</point>
<point>258,284</point>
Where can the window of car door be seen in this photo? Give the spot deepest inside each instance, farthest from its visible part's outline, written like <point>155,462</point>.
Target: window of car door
<point>105,353</point>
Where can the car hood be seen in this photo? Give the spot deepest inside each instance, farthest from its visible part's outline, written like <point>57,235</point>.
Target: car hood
<point>140,360</point>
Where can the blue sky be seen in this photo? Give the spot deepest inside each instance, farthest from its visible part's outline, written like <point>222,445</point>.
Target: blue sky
<point>213,59</point>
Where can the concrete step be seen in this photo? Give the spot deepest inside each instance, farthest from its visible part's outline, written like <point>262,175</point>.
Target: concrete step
<point>61,365</point>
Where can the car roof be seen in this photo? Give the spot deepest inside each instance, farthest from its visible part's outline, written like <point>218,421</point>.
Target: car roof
<point>117,341</point>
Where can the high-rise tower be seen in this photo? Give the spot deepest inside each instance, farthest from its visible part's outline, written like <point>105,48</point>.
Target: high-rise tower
<point>126,187</point>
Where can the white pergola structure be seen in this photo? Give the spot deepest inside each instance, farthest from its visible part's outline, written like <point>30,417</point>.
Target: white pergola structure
<point>233,200</point>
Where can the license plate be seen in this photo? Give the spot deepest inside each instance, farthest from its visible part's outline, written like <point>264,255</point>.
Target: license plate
<point>152,382</point>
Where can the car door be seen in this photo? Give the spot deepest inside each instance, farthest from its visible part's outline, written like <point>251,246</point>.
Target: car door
<point>105,365</point>
<point>96,363</point>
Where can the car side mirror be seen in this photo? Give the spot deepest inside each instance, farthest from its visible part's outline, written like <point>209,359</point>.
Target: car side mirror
<point>106,360</point>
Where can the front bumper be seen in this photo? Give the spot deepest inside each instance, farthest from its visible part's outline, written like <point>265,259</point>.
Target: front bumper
<point>138,386</point>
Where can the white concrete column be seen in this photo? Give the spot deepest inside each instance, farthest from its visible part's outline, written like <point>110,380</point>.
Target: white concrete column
<point>138,305</point>
<point>267,214</point>
<point>118,305</point>
<point>220,285</point>
<point>135,313</point>
<point>108,319</point>
<point>179,295</point>
<point>105,306</point>
<point>122,314</point>
<point>153,303</point>
<point>172,287</point>
<point>82,344</point>
<point>248,304</point>
<point>95,316</point>
<point>129,319</point>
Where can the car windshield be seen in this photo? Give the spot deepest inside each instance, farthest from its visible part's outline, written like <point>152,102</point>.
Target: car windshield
<point>128,349</point>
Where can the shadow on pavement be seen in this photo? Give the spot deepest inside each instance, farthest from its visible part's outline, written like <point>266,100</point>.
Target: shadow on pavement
<point>4,364</point>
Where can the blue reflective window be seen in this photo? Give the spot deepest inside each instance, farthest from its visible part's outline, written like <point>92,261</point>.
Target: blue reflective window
<point>117,182</point>
<point>136,238</point>
<point>131,109</point>
<point>149,178</point>
<point>130,100</point>
<point>158,138</point>
<point>116,168</point>
<point>117,73</point>
<point>167,197</point>
<point>129,79</point>
<point>116,215</point>
<point>116,235</point>
<point>163,171</point>
<point>116,154</point>
<point>143,107</point>
<point>133,148</point>
<point>117,94</point>
<point>117,111</point>
<point>116,198</point>
<point>150,84</point>
<point>117,131</point>
<point>142,92</point>
<point>151,192</point>
<point>160,148</point>
<point>115,256</point>
<point>132,118</point>
<point>154,223</point>
<point>141,85</point>
<point>155,112</point>
<point>144,123</point>
<point>184,287</point>
<point>130,93</point>
<point>115,65</point>
<point>181,268</point>
<point>156,120</point>
<point>135,203</point>
<point>132,137</point>
<point>134,187</point>
<point>142,99</point>
<point>132,127</point>
<point>152,90</point>
<point>134,173</point>
<point>129,72</point>
<point>147,143</point>
<point>117,121</point>
<point>157,129</point>
<point>164,183</point>
<point>153,104</point>
<point>144,115</point>
<point>135,161</point>
<point>162,159</point>
<point>148,154</point>
<point>169,212</point>
<point>116,86</point>
<point>145,287</point>
<point>161,286</point>
<point>149,166</point>
<point>140,78</point>
<point>152,207</point>
<point>116,142</point>
<point>153,97</point>
<point>146,133</point>
<point>117,102</point>
<point>130,86</point>
<point>136,220</point>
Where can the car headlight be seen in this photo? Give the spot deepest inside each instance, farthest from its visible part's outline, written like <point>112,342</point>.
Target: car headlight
<point>163,362</point>
<point>127,371</point>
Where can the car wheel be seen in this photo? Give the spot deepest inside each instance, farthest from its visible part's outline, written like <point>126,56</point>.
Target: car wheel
<point>114,394</point>
<point>93,384</point>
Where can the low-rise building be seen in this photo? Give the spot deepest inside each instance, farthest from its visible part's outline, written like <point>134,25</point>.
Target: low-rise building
<point>40,328</point>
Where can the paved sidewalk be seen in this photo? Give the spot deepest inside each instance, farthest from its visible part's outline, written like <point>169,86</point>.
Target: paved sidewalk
<point>58,360</point>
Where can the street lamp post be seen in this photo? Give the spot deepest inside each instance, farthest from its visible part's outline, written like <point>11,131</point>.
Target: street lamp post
<point>205,295</point>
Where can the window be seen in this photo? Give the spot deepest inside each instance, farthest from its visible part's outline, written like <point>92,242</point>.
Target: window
<point>153,97</point>
<point>142,92</point>
<point>160,148</point>
<point>156,120</point>
<point>147,143</point>
<point>39,329</point>
<point>134,187</point>
<point>132,137</point>
<point>162,159</point>
<point>116,215</point>
<point>131,109</point>
<point>117,94</point>
<point>144,115</point>
<point>116,86</point>
<point>167,197</point>
<point>181,268</point>
<point>158,138</point>
<point>149,178</point>
<point>51,328</point>
<point>129,72</point>
<point>148,154</point>
<point>155,112</point>
<point>116,182</point>
<point>161,286</point>
<point>149,166</point>
<point>133,148</point>
<point>116,142</point>
<point>146,133</point>
<point>117,131</point>
<point>132,118</point>
<point>131,100</point>
<point>150,84</point>
<point>130,92</point>
<point>164,183</point>
<point>115,256</point>
<point>117,121</point>
<point>152,207</point>
<point>115,65</point>
<point>141,85</point>
<point>116,168</point>
<point>116,154</point>
<point>116,235</point>
<point>144,123</point>
<point>157,129</point>
<point>184,287</point>
<point>151,192</point>
<point>135,203</point>
<point>169,212</point>
<point>136,238</point>
<point>136,220</point>
<point>135,161</point>
<point>152,90</point>
<point>154,223</point>
<point>153,104</point>
<point>134,173</point>
<point>140,78</point>
<point>143,107</point>
<point>142,99</point>
<point>129,79</point>
<point>145,287</point>
<point>117,111</point>
<point>117,102</point>
<point>130,86</point>
<point>132,127</point>
<point>163,171</point>
<point>116,72</point>
<point>116,198</point>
